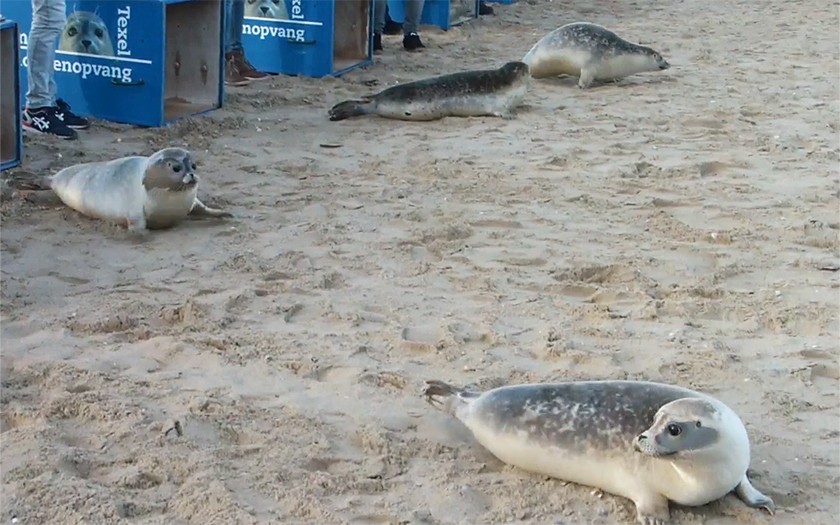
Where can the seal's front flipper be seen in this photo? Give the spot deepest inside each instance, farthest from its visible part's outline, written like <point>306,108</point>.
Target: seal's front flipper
<point>587,76</point>
<point>199,209</point>
<point>506,115</point>
<point>136,226</point>
<point>753,498</point>
<point>652,509</point>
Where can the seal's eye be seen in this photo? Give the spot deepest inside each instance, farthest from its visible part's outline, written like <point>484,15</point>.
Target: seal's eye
<point>698,424</point>
<point>176,168</point>
<point>674,430</point>
<point>192,166</point>
<point>99,33</point>
<point>72,31</point>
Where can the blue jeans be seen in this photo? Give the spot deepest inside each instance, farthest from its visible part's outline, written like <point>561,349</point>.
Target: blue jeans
<point>413,12</point>
<point>234,18</point>
<point>48,17</point>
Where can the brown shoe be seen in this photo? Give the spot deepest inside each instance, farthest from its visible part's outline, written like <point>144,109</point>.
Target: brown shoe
<point>246,69</point>
<point>233,75</point>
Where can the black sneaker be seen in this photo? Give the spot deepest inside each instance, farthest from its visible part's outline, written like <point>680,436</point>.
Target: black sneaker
<point>412,42</point>
<point>484,9</point>
<point>46,121</point>
<point>377,42</point>
<point>71,119</point>
<point>392,28</point>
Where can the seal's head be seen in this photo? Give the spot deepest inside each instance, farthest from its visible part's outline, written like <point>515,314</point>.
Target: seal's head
<point>275,9</point>
<point>85,32</point>
<point>683,427</point>
<point>660,61</point>
<point>171,169</point>
<point>515,69</point>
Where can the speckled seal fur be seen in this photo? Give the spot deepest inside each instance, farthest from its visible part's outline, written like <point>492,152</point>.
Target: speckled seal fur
<point>490,92</point>
<point>590,52</point>
<point>648,442</point>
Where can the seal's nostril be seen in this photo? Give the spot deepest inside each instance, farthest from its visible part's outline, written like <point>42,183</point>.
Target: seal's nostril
<point>641,437</point>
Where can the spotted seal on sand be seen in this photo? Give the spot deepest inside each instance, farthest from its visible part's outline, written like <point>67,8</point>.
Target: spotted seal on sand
<point>590,52</point>
<point>490,92</point>
<point>648,442</point>
<point>140,193</point>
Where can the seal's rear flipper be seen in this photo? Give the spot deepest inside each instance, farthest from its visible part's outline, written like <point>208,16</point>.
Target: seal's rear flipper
<point>350,108</point>
<point>28,181</point>
<point>448,398</point>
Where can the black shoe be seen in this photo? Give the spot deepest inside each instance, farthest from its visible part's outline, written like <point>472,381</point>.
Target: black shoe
<point>392,28</point>
<point>47,121</point>
<point>71,119</point>
<point>484,9</point>
<point>377,42</point>
<point>412,42</point>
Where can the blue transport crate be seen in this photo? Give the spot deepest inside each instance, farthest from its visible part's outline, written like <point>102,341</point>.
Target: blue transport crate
<point>11,143</point>
<point>143,62</point>
<point>313,38</point>
<point>441,13</point>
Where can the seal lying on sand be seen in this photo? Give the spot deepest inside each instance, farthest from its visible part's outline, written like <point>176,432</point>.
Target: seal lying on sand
<point>140,193</point>
<point>590,52</point>
<point>490,92</point>
<point>647,442</point>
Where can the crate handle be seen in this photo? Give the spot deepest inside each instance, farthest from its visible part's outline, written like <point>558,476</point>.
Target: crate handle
<point>134,83</point>
<point>304,43</point>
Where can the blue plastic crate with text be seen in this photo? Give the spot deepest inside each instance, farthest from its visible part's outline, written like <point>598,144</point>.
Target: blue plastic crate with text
<point>144,62</point>
<point>313,38</point>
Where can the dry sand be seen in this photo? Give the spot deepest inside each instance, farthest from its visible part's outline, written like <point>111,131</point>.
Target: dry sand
<point>679,226</point>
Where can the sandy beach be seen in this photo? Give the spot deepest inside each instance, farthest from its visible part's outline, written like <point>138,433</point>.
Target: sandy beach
<point>680,226</point>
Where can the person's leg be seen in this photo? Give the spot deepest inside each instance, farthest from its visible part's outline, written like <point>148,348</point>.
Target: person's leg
<point>48,17</point>
<point>379,8</point>
<point>41,115</point>
<point>391,27</point>
<point>238,71</point>
<point>413,12</point>
<point>234,18</point>
<point>229,34</point>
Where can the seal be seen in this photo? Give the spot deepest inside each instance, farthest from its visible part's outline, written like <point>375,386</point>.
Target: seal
<point>648,442</point>
<point>590,52</point>
<point>85,32</point>
<point>139,193</point>
<point>275,9</point>
<point>487,92</point>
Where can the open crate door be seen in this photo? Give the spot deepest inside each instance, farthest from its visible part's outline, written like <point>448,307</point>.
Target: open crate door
<point>352,33</point>
<point>11,148</point>
<point>194,69</point>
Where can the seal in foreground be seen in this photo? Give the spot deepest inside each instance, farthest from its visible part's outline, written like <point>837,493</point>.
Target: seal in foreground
<point>490,92</point>
<point>140,193</point>
<point>647,442</point>
<point>590,52</point>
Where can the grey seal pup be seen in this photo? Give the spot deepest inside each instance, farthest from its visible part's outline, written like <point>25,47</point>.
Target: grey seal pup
<point>140,193</point>
<point>590,52</point>
<point>648,442</point>
<point>85,32</point>
<point>488,92</point>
